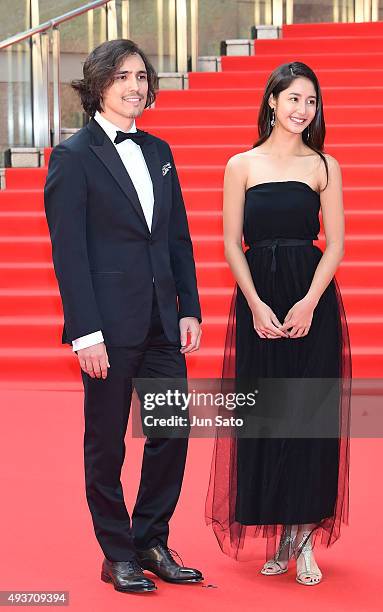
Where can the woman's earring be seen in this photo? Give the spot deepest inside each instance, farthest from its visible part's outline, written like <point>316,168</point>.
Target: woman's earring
<point>272,122</point>
<point>308,132</point>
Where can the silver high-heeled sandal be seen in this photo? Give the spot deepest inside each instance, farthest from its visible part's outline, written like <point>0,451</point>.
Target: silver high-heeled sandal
<point>273,566</point>
<point>308,576</point>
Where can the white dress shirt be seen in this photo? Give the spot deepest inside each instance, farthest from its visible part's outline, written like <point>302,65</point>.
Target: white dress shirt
<point>134,162</point>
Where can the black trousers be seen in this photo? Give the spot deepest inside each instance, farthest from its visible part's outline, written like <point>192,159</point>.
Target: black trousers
<point>107,406</point>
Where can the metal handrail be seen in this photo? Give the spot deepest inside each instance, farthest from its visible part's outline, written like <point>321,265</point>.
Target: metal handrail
<point>44,40</point>
<point>52,23</point>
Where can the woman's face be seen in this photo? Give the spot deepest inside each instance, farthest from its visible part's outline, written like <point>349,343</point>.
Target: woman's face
<point>296,106</point>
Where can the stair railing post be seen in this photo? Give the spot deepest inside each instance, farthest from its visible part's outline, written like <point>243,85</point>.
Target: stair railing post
<point>56,133</point>
<point>111,20</point>
<point>194,34</point>
<point>277,12</point>
<point>181,37</point>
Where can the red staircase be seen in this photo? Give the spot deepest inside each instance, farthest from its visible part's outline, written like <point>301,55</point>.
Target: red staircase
<point>205,125</point>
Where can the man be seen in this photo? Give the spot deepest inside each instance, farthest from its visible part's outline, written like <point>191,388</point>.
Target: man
<point>124,263</point>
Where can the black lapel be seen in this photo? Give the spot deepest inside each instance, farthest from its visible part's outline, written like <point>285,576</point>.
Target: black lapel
<point>106,152</point>
<point>153,162</point>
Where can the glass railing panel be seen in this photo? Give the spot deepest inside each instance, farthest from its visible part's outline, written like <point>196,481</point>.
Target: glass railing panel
<point>15,96</point>
<point>77,38</point>
<point>225,20</point>
<point>50,10</point>
<point>319,11</point>
<point>14,17</point>
<point>152,27</point>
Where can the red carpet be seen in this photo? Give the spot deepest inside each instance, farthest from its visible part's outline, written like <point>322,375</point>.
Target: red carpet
<point>47,539</point>
<point>205,125</point>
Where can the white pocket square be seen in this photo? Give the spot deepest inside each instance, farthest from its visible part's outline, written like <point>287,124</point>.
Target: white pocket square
<point>166,168</point>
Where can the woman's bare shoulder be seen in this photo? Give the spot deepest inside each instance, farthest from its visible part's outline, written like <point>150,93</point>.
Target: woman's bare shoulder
<point>240,161</point>
<point>332,161</point>
<point>237,164</point>
<point>334,171</point>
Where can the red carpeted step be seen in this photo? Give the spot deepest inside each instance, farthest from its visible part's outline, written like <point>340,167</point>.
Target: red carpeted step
<point>358,248</point>
<point>363,300</point>
<point>304,30</point>
<point>356,221</point>
<point>60,364</point>
<point>213,120</point>
<point>220,154</point>
<point>357,300</point>
<point>248,74</point>
<point>21,199</point>
<point>214,301</point>
<point>211,274</point>
<point>27,275</point>
<point>30,331</point>
<point>247,115</point>
<point>353,197</point>
<point>23,223</point>
<point>41,331</point>
<point>30,302</point>
<point>350,270</point>
<point>38,248</point>
<point>38,364</point>
<point>320,44</point>
<point>360,331</point>
<point>25,178</point>
<point>345,59</point>
<point>364,221</point>
<point>25,248</point>
<point>215,327</point>
<point>208,92</point>
<point>244,79</point>
<point>196,199</point>
<point>366,363</point>
<point>212,176</point>
<point>345,133</point>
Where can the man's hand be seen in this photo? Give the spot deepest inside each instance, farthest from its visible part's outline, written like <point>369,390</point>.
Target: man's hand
<point>192,326</point>
<point>94,360</point>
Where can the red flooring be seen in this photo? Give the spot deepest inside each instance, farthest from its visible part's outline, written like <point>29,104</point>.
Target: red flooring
<point>47,539</point>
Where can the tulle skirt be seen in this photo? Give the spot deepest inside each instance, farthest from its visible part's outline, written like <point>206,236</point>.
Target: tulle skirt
<point>264,486</point>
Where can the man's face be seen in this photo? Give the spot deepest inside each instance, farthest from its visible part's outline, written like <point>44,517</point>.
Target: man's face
<point>125,99</point>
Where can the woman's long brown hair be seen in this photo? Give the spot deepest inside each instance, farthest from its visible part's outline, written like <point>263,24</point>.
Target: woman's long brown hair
<point>279,80</point>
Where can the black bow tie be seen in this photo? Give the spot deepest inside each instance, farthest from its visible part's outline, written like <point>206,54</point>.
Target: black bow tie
<point>137,137</point>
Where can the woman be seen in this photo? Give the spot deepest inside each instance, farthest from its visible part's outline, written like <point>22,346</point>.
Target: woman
<point>287,323</point>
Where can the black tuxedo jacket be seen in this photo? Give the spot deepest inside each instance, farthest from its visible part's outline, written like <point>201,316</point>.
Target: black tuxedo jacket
<point>104,255</point>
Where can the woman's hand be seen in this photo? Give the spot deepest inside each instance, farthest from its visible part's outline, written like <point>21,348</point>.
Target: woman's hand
<point>298,319</point>
<point>266,323</point>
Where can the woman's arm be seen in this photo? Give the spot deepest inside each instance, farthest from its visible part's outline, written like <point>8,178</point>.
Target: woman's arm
<point>333,222</point>
<point>299,317</point>
<point>233,208</point>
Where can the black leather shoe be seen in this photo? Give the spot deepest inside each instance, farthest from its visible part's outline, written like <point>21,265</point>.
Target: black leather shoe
<point>126,576</point>
<point>159,560</point>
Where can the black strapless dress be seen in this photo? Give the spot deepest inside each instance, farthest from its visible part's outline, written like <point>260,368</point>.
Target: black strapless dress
<point>260,484</point>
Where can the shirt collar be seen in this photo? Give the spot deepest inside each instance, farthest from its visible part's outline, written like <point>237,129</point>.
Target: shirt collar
<point>109,128</point>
